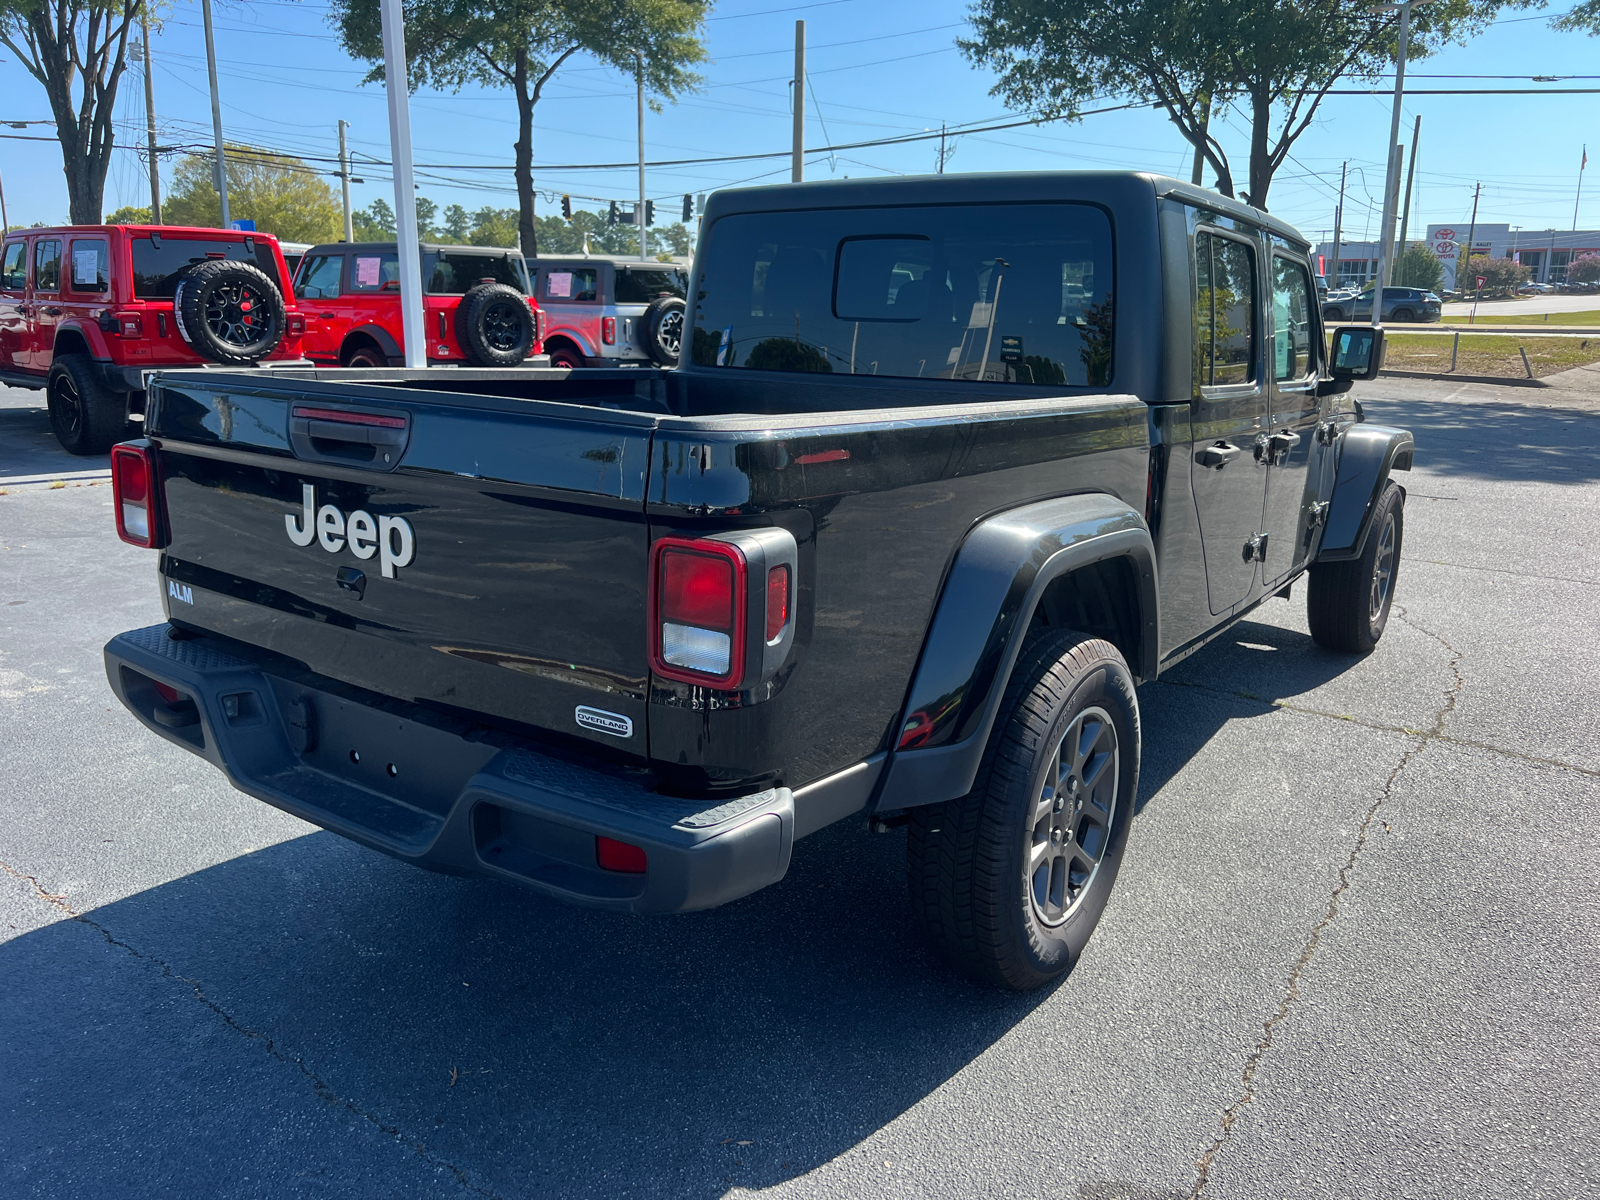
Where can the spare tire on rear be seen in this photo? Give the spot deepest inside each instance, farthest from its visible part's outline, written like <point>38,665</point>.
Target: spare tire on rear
<point>663,329</point>
<point>495,325</point>
<point>230,312</point>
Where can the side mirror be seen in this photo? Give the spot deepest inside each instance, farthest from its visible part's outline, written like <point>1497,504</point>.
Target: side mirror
<point>1357,352</point>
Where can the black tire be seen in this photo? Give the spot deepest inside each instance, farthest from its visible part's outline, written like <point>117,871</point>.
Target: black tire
<point>663,329</point>
<point>1333,314</point>
<point>495,326</point>
<point>1403,314</point>
<point>968,859</point>
<point>365,354</point>
<point>86,415</point>
<point>1348,602</point>
<point>566,355</point>
<point>230,312</point>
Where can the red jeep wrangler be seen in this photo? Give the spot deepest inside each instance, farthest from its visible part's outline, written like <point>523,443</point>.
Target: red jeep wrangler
<point>477,305</point>
<point>87,310</point>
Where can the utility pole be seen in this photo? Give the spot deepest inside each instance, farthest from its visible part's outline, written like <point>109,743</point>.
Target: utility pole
<point>1579,196</point>
<point>216,111</point>
<point>344,181</point>
<point>638,213</point>
<point>150,118</point>
<point>941,148</point>
<point>1411,171</point>
<point>397,85</point>
<point>1464,255</point>
<point>1391,187</point>
<point>797,164</point>
<point>1338,223</point>
<point>1197,176</point>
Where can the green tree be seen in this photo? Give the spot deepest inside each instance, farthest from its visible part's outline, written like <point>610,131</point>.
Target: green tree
<point>77,50</point>
<point>1418,268</point>
<point>494,227</point>
<point>521,44</point>
<point>374,223</point>
<point>129,214</point>
<point>283,195</point>
<point>1275,59</point>
<point>457,224</point>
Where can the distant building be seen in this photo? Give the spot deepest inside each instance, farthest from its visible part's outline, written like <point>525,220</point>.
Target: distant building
<point>1546,252</point>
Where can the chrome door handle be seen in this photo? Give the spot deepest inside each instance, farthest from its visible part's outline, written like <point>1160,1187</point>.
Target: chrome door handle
<point>1218,456</point>
<point>1285,441</point>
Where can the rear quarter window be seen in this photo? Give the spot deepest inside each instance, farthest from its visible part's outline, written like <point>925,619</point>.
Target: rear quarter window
<point>456,274</point>
<point>157,268</point>
<point>88,266</point>
<point>638,286</point>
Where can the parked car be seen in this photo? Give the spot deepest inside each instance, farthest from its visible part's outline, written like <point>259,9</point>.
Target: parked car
<point>293,252</point>
<point>1536,289</point>
<point>1400,304</point>
<point>950,465</point>
<point>477,305</point>
<point>86,311</point>
<point>608,312</point>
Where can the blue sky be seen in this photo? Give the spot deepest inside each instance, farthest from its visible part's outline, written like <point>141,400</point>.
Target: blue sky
<point>877,70</point>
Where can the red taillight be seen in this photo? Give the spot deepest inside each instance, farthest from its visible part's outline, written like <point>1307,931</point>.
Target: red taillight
<point>697,619</point>
<point>130,325</point>
<point>296,324</point>
<point>539,316</point>
<point>613,855</point>
<point>608,330</point>
<point>777,601</point>
<point>136,492</point>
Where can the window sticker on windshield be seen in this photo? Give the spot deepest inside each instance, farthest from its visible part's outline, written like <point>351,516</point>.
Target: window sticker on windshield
<point>367,271</point>
<point>1010,349</point>
<point>560,285</point>
<point>85,267</point>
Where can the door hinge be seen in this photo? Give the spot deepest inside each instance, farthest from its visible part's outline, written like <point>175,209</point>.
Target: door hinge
<point>1319,513</point>
<point>1255,550</point>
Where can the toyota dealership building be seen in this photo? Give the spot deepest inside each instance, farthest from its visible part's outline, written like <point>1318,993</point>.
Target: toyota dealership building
<point>1546,252</point>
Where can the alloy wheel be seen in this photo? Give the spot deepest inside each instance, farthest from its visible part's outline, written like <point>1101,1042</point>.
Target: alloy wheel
<point>1382,569</point>
<point>238,315</point>
<point>70,407</point>
<point>502,326</point>
<point>670,332</point>
<point>1073,812</point>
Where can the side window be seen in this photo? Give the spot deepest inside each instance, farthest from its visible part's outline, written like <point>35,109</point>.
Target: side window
<point>89,266</point>
<point>1292,328</point>
<point>47,265</point>
<point>570,283</point>
<point>319,277</point>
<point>372,272</point>
<point>14,267</point>
<point>1225,307</point>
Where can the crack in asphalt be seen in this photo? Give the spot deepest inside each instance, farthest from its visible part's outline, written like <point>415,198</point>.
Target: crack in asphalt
<point>1269,1029</point>
<point>58,900</point>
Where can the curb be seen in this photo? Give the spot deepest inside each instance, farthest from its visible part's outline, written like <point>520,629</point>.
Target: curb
<point>1503,380</point>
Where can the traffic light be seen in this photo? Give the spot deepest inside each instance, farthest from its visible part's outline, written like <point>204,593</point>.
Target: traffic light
<point>688,208</point>
<point>611,216</point>
<point>649,212</point>
<point>566,207</point>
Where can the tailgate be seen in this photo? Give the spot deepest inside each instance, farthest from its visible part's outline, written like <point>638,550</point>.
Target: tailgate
<point>494,564</point>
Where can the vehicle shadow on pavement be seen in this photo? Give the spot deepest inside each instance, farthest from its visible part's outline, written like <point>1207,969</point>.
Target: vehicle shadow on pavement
<point>1497,440</point>
<point>28,447</point>
<point>522,1045</point>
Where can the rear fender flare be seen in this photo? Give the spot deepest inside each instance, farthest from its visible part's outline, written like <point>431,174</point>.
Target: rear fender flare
<point>556,332</point>
<point>380,335</point>
<point>1367,454</point>
<point>985,611</point>
<point>71,332</point>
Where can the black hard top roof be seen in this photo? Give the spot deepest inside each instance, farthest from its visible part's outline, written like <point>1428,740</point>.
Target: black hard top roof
<point>980,187</point>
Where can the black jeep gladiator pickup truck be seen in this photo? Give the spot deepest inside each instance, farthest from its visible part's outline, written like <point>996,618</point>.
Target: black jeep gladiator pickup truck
<point>950,466</point>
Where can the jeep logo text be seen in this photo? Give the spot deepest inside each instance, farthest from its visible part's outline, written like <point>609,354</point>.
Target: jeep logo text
<point>390,538</point>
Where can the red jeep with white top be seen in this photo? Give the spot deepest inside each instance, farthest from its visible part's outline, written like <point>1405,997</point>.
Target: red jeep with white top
<point>87,311</point>
<point>477,305</point>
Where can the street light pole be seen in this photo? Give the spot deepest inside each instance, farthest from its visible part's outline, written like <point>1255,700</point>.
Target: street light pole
<point>216,110</point>
<point>797,154</point>
<point>344,181</point>
<point>638,213</point>
<point>396,83</point>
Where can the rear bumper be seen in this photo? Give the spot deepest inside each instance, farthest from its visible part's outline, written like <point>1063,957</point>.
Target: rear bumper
<point>443,794</point>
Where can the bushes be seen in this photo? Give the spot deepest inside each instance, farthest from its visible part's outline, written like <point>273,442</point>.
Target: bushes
<point>1501,276</point>
<point>1584,269</point>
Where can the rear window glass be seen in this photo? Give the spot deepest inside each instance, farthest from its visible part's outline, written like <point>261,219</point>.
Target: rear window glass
<point>636,286</point>
<point>570,283</point>
<point>1013,293</point>
<point>455,274</point>
<point>156,269</point>
<point>369,272</point>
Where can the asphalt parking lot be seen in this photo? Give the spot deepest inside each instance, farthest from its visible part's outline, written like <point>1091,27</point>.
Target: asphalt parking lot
<point>1351,954</point>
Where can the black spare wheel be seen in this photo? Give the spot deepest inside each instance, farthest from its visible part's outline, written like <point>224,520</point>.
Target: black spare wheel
<point>663,329</point>
<point>1010,880</point>
<point>495,325</point>
<point>230,312</point>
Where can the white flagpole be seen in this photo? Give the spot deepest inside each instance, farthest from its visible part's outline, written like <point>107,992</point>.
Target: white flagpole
<point>405,192</point>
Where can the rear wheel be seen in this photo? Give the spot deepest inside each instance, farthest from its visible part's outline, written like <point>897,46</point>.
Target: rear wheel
<point>1403,314</point>
<point>1348,603</point>
<point>1010,880</point>
<point>366,355</point>
<point>564,354</point>
<point>1333,314</point>
<point>87,416</point>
